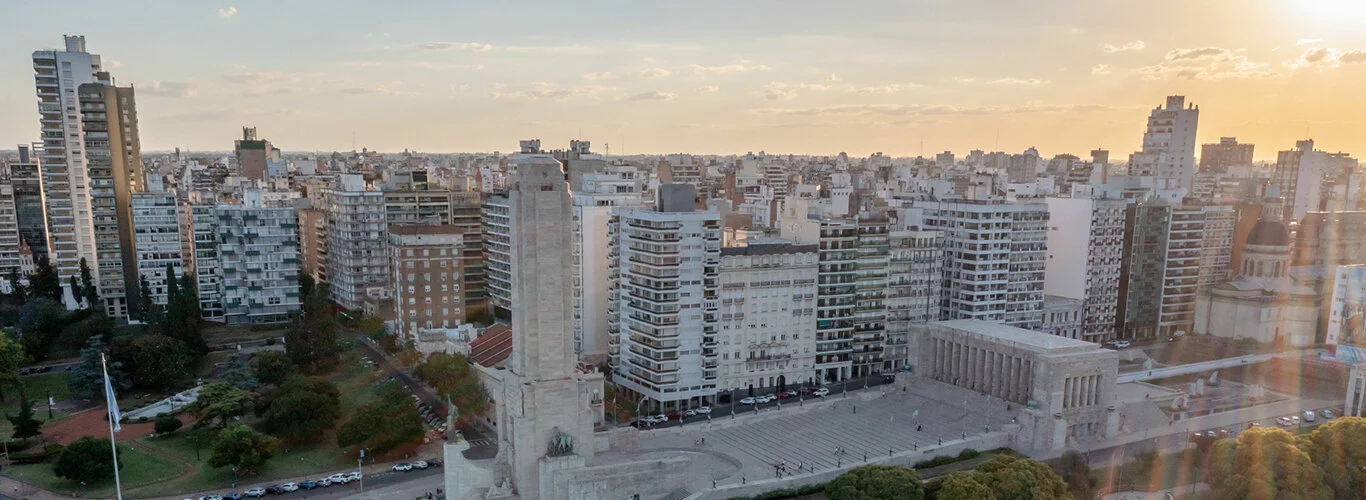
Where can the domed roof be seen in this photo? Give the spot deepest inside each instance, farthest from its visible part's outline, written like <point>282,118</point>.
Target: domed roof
<point>1269,233</point>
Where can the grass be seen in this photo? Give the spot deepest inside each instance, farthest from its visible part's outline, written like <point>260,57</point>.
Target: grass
<point>37,387</point>
<point>138,468</point>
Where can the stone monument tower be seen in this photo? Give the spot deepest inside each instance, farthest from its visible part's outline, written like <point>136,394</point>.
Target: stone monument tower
<point>545,415</point>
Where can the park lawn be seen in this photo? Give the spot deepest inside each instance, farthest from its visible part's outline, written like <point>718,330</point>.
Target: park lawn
<point>37,387</point>
<point>139,468</point>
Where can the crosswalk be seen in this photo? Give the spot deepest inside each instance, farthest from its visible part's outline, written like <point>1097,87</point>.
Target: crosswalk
<point>479,443</point>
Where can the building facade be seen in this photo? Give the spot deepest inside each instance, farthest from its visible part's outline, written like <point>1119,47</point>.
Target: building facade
<point>157,242</point>
<point>915,276</point>
<point>1228,152</point>
<point>768,308</point>
<point>356,257</point>
<point>426,263</point>
<point>30,206</point>
<point>257,258</point>
<point>113,154</point>
<point>1169,144</point>
<point>1085,257</point>
<point>597,193</point>
<point>995,259</point>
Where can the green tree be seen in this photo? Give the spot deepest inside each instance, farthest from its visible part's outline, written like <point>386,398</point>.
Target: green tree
<point>1338,447</point>
<point>238,373</point>
<point>1020,479</point>
<point>220,402</point>
<point>963,486</point>
<point>87,378</point>
<point>312,339</point>
<point>146,309</point>
<point>244,448</point>
<point>1076,472</point>
<point>271,367</point>
<point>167,423</point>
<point>76,291</point>
<point>17,291</point>
<point>876,482</point>
<point>25,426</point>
<point>87,460</point>
<point>12,358</point>
<point>88,288</point>
<point>306,284</point>
<point>454,378</point>
<point>152,361</point>
<point>1265,463</point>
<point>79,326</point>
<point>41,320</point>
<point>303,409</point>
<point>391,421</point>
<point>45,281</point>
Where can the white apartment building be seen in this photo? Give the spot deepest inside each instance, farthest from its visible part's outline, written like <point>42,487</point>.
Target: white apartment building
<point>10,241</point>
<point>1169,144</point>
<point>498,255</point>
<point>594,198</point>
<point>58,75</point>
<point>258,260</point>
<point>870,308</point>
<point>157,241</point>
<point>200,222</point>
<point>664,321</point>
<point>356,256</point>
<point>837,284</point>
<point>1085,257</point>
<point>915,276</point>
<point>768,309</point>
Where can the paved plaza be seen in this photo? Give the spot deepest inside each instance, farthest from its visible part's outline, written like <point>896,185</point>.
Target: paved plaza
<point>863,423</point>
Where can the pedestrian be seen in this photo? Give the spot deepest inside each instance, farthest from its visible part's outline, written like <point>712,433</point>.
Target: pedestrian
<point>941,441</point>
<point>918,427</point>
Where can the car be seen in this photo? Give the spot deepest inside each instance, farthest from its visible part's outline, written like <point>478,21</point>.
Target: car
<point>275,490</point>
<point>289,487</point>
<point>661,418</point>
<point>402,467</point>
<point>1295,419</point>
<point>1283,422</point>
<point>353,476</point>
<point>1309,416</point>
<point>255,492</point>
<point>420,464</point>
<point>308,485</point>
<point>1122,344</point>
<point>822,392</point>
<point>211,497</point>
<point>1326,414</point>
<point>749,401</point>
<point>232,496</point>
<point>436,462</point>
<point>324,482</point>
<point>792,394</point>
<point>768,398</point>
<point>338,479</point>
<point>702,410</point>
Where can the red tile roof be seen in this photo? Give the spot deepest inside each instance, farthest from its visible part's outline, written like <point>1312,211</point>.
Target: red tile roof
<point>493,347</point>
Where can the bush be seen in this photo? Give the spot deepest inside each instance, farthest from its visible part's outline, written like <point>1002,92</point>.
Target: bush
<point>968,454</point>
<point>14,445</point>
<point>143,419</point>
<point>49,450</point>
<point>167,423</point>
<point>937,461</point>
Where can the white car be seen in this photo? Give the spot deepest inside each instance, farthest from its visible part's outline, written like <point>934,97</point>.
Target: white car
<point>703,410</point>
<point>255,492</point>
<point>353,476</point>
<point>288,487</point>
<point>768,398</point>
<point>403,467</point>
<point>822,392</point>
<point>339,479</point>
<point>420,464</point>
<point>323,483</point>
<point>749,401</point>
<point>211,497</point>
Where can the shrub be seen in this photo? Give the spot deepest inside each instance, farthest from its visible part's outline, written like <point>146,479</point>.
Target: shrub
<point>968,454</point>
<point>167,423</point>
<point>49,450</point>
<point>937,461</point>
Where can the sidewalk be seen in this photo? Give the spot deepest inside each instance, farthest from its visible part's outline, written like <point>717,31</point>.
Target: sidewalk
<point>10,488</point>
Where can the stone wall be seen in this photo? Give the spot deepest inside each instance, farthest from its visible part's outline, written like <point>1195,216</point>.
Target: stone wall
<point>648,478</point>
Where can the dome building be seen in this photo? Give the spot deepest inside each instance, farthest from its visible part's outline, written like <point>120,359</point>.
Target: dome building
<point>1265,302</point>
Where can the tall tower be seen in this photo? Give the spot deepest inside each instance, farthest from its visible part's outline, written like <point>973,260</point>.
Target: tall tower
<point>546,401</point>
<point>1169,144</point>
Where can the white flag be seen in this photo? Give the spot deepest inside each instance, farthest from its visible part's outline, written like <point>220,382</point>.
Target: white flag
<point>114,415</point>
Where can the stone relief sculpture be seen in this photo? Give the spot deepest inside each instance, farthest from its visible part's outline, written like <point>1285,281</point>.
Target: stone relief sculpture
<point>560,444</point>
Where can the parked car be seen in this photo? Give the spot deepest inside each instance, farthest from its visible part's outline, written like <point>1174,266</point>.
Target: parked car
<point>275,490</point>
<point>338,479</point>
<point>420,464</point>
<point>822,392</point>
<point>353,476</point>
<point>1309,416</point>
<point>702,410</point>
<point>768,398</point>
<point>308,485</point>
<point>792,394</point>
<point>436,462</point>
<point>289,487</point>
<point>1326,414</point>
<point>1283,422</point>
<point>749,401</point>
<point>232,496</point>
<point>211,497</point>
<point>402,467</point>
<point>324,482</point>
<point>255,492</point>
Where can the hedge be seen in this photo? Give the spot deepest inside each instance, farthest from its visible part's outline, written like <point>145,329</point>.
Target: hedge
<point>49,450</point>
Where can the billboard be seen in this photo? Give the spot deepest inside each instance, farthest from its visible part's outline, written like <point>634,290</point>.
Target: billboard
<point>1347,315</point>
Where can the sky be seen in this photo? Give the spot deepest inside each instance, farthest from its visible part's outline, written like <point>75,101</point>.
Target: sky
<point>642,76</point>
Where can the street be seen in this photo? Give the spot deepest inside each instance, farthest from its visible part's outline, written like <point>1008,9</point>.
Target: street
<point>725,409</point>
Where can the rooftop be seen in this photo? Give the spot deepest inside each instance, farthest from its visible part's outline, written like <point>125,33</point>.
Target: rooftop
<point>1007,334</point>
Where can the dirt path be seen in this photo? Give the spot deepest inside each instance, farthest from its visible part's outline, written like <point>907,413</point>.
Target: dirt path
<point>92,423</point>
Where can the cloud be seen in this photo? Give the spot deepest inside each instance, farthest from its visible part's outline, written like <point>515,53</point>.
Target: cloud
<point>461,46</point>
<point>169,89</point>
<point>440,66</point>
<point>381,89</point>
<point>1019,82</point>
<point>112,64</point>
<point>708,88</point>
<point>782,91</point>
<point>227,13</point>
<point>1308,41</point>
<point>653,73</point>
<point>1206,63</point>
<point>1327,58</point>
<point>890,88</point>
<point>832,78</point>
<point>737,67</point>
<point>544,91</point>
<point>1100,69</point>
<point>912,110</point>
<point>654,95</point>
<point>1134,46</point>
<point>599,75</point>
<point>779,94</point>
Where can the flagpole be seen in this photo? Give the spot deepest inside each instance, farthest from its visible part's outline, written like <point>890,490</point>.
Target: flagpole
<point>109,399</point>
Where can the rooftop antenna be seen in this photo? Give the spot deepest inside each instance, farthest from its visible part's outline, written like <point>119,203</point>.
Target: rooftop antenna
<point>998,139</point>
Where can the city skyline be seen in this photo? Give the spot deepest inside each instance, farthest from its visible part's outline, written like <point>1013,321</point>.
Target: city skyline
<point>901,79</point>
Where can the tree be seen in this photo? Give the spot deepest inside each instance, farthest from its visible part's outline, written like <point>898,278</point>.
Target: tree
<point>1020,479</point>
<point>76,291</point>
<point>312,339</point>
<point>303,409</point>
<point>88,288</point>
<point>271,367</point>
<point>78,327</point>
<point>45,281</point>
<point>87,377</point>
<point>25,426</point>
<point>1338,447</point>
<point>220,402</point>
<point>239,375</point>
<point>963,486</point>
<point>17,290</point>
<point>41,319</point>
<point>167,423</point>
<point>244,448</point>
<point>152,361</point>
<point>87,460</point>
<point>1076,472</point>
<point>147,311</point>
<point>306,285</point>
<point>1265,462</point>
<point>12,358</point>
<point>381,425</point>
<point>871,482</point>
<point>453,378</point>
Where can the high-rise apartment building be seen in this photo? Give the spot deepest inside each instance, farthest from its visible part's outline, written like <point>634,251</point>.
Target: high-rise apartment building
<point>257,273</point>
<point>58,75</point>
<point>768,309</point>
<point>1217,157</point>
<point>356,255</point>
<point>11,245</point>
<point>1169,144</point>
<point>199,222</point>
<point>467,214</point>
<point>254,157</point>
<point>497,231</point>
<point>313,243</point>
<point>114,167</point>
<point>1172,252</point>
<point>157,242</point>
<point>1085,257</point>
<point>1310,180</point>
<point>837,290</point>
<point>597,192</point>
<point>870,295</point>
<point>915,277</point>
<point>30,207</point>
<point>426,263</point>
<point>995,256</point>
<point>664,322</point>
